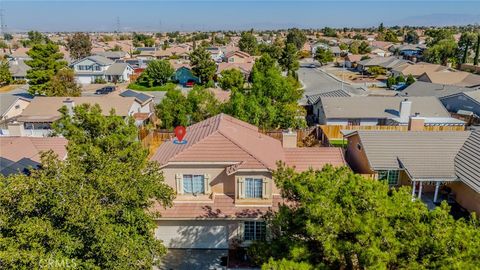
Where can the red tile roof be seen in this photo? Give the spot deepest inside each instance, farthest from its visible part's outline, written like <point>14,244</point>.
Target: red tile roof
<point>223,138</point>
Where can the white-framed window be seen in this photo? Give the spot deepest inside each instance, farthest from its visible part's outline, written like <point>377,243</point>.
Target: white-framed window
<point>193,183</point>
<point>390,176</point>
<point>253,188</point>
<point>254,230</point>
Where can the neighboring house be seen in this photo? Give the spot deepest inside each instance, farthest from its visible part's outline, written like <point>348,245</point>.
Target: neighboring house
<point>458,78</point>
<point>19,54</point>
<point>428,161</point>
<point>144,100</point>
<point>245,68</point>
<point>184,75</point>
<point>238,57</point>
<point>12,106</point>
<point>93,68</point>
<point>337,52</point>
<point>119,72</point>
<point>387,63</point>
<point>314,99</point>
<point>373,111</point>
<point>317,45</point>
<point>426,89</point>
<point>351,60</point>
<point>114,55</point>
<point>379,52</point>
<point>178,51</point>
<point>216,54</point>
<point>465,103</point>
<point>20,154</point>
<point>223,179</point>
<point>417,70</point>
<point>18,69</point>
<point>37,118</point>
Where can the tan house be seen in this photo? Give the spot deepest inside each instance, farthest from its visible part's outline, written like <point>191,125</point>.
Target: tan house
<point>458,78</point>
<point>12,106</point>
<point>418,69</point>
<point>238,57</point>
<point>222,175</point>
<point>438,165</point>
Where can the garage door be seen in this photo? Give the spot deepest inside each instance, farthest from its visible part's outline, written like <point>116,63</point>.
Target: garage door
<point>193,234</point>
<point>84,79</point>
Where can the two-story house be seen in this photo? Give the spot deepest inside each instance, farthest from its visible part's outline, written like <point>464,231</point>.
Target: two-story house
<point>96,68</point>
<point>222,176</point>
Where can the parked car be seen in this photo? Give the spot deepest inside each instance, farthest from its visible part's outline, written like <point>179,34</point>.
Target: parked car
<point>105,90</point>
<point>190,83</point>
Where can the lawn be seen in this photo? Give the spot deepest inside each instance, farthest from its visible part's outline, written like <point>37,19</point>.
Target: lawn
<point>338,142</point>
<point>164,87</point>
<point>7,88</point>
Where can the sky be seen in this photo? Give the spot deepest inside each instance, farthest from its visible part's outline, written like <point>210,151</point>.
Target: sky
<point>161,15</point>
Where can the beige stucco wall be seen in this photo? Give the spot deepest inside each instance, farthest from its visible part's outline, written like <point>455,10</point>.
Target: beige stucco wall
<point>220,182</point>
<point>466,197</point>
<point>12,112</point>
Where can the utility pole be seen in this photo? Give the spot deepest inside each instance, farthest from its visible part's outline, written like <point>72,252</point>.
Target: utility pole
<point>118,24</point>
<point>3,26</point>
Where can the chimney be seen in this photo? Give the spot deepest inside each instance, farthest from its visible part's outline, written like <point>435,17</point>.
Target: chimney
<point>69,104</point>
<point>16,129</point>
<point>416,123</point>
<point>289,139</point>
<point>405,110</point>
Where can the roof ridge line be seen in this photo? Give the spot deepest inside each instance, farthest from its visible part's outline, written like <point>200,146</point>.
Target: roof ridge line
<point>245,150</point>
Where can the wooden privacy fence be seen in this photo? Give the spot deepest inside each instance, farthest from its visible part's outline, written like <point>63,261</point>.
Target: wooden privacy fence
<point>333,132</point>
<point>152,139</point>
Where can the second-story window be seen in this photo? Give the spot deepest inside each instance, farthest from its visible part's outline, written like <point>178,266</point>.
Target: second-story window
<point>253,187</point>
<point>193,184</point>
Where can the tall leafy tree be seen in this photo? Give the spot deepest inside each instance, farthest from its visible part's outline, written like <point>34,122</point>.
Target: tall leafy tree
<point>203,65</point>
<point>5,75</point>
<point>323,55</point>
<point>46,61</point>
<point>412,37</point>
<point>79,45</point>
<point>336,219</point>
<point>465,45</point>
<point>477,50</point>
<point>231,78</point>
<point>90,211</point>
<point>248,43</point>
<point>443,52</point>
<point>63,84</point>
<point>158,72</point>
<point>297,37</point>
<point>289,59</point>
<point>35,37</point>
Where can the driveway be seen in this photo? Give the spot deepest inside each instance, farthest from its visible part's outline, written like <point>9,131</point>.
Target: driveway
<point>317,82</point>
<point>193,259</point>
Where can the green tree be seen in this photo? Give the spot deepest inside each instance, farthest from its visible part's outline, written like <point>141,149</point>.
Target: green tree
<point>63,84</point>
<point>364,48</point>
<point>412,37</point>
<point>477,50</point>
<point>377,71</point>
<point>231,78</point>
<point>248,43</point>
<point>158,72</point>
<point>442,52</point>
<point>410,79</point>
<point>390,36</point>
<point>35,37</point>
<point>323,55</point>
<point>177,109</point>
<point>289,59</point>
<point>336,219</point>
<point>202,65</point>
<point>5,75</point>
<point>7,36</point>
<point>91,210</point>
<point>381,28</point>
<point>400,79</point>
<point>437,35</point>
<point>391,81</point>
<point>297,37</point>
<point>46,61</point>
<point>354,47</point>
<point>79,45</point>
<point>329,32</point>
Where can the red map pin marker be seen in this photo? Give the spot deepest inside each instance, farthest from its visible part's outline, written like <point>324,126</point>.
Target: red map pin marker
<point>180,132</point>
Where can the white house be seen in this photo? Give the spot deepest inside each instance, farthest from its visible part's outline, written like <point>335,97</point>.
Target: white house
<point>98,68</point>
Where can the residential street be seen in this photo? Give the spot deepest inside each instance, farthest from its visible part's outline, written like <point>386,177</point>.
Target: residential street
<point>316,82</point>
